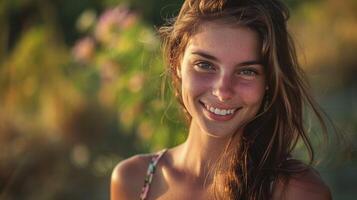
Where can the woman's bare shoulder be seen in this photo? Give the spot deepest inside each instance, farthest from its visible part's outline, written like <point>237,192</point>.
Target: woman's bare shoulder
<point>307,185</point>
<point>128,177</point>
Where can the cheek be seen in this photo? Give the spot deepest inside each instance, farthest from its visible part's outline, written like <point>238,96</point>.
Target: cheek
<point>193,84</point>
<point>251,93</point>
<point>193,87</point>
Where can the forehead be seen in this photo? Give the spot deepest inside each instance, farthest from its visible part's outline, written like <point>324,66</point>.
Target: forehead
<point>225,40</point>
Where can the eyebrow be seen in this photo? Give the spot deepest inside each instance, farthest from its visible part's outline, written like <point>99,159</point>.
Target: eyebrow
<point>210,57</point>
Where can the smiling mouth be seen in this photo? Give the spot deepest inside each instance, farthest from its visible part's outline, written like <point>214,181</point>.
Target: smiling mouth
<point>219,111</point>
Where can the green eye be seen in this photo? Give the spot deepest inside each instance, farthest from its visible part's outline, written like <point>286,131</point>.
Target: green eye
<point>204,66</point>
<point>248,72</point>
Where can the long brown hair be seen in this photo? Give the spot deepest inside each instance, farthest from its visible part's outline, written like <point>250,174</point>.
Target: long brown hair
<point>269,139</point>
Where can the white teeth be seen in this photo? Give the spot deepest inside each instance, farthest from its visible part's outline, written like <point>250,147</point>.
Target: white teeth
<point>218,111</point>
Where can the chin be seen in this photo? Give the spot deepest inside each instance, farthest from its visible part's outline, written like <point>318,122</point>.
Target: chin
<point>219,132</point>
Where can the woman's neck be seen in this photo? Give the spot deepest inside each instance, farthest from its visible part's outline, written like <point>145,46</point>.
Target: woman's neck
<point>198,154</point>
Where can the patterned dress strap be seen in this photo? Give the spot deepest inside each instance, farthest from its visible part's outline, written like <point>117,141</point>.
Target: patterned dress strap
<point>150,173</point>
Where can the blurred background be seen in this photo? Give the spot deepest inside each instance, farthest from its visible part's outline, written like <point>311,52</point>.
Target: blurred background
<point>81,89</point>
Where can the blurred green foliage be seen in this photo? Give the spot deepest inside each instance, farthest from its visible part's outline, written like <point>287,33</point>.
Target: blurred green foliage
<point>81,88</point>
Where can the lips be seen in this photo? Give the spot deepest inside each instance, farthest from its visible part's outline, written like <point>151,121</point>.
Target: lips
<point>218,113</point>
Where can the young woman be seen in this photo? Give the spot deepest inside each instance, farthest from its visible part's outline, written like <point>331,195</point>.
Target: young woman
<point>236,76</point>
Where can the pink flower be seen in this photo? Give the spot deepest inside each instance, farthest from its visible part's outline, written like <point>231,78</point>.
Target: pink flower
<point>112,21</point>
<point>83,50</point>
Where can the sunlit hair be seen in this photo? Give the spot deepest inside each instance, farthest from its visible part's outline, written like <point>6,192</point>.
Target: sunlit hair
<point>269,139</point>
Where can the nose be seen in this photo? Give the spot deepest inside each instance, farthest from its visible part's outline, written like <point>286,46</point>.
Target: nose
<point>223,88</point>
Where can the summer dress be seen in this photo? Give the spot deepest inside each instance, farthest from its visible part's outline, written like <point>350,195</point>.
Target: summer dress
<point>150,173</point>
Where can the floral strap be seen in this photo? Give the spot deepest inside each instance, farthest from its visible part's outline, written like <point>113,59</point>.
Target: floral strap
<point>150,173</point>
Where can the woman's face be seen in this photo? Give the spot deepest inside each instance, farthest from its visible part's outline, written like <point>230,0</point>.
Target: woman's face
<point>223,80</point>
